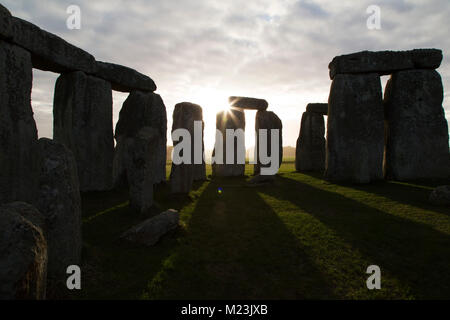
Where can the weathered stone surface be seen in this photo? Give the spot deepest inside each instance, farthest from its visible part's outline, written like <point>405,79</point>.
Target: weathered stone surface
<point>248,103</point>
<point>310,151</point>
<point>60,203</point>
<point>320,108</point>
<point>49,52</point>
<point>123,78</point>
<point>231,119</point>
<point>23,253</point>
<point>417,131</point>
<point>6,30</point>
<point>150,231</point>
<point>18,134</point>
<point>142,109</point>
<point>139,165</point>
<point>385,62</point>
<point>183,175</point>
<point>440,196</point>
<point>355,132</point>
<point>82,121</point>
<point>200,169</point>
<point>268,120</point>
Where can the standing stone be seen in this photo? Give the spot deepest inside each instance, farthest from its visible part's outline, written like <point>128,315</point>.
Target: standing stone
<point>230,119</point>
<point>183,175</point>
<point>310,151</point>
<point>142,109</point>
<point>23,253</point>
<point>60,204</point>
<point>18,134</point>
<point>200,169</point>
<point>268,120</point>
<point>6,30</point>
<point>83,122</point>
<point>417,131</point>
<point>140,165</point>
<point>355,132</point>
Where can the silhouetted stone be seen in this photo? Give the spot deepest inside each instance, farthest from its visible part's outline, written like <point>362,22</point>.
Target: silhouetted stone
<point>139,163</point>
<point>355,133</point>
<point>82,121</point>
<point>231,119</point>
<point>49,52</point>
<point>18,134</point>
<point>417,131</point>
<point>6,30</point>
<point>150,231</point>
<point>385,62</point>
<point>268,120</point>
<point>60,203</point>
<point>440,196</point>
<point>123,78</point>
<point>142,109</point>
<point>320,108</point>
<point>183,175</point>
<point>23,253</point>
<point>310,151</point>
<point>248,103</point>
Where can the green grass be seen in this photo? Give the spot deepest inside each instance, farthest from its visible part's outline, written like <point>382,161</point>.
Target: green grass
<point>302,238</point>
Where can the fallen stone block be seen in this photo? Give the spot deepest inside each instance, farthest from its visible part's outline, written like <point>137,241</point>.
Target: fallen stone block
<point>23,253</point>
<point>124,79</point>
<point>440,196</point>
<point>150,231</point>
<point>248,103</point>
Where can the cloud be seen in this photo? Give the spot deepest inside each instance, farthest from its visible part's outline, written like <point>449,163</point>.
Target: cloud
<point>278,50</point>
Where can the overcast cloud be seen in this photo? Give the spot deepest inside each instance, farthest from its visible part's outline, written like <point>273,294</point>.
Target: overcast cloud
<point>203,51</point>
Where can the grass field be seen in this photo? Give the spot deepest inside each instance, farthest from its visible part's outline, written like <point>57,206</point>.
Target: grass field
<point>301,238</point>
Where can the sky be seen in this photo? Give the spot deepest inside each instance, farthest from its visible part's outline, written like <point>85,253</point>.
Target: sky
<point>203,51</point>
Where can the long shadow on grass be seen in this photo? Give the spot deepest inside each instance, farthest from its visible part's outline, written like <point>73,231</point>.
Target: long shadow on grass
<point>236,247</point>
<point>112,268</point>
<point>414,253</point>
<point>415,193</point>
